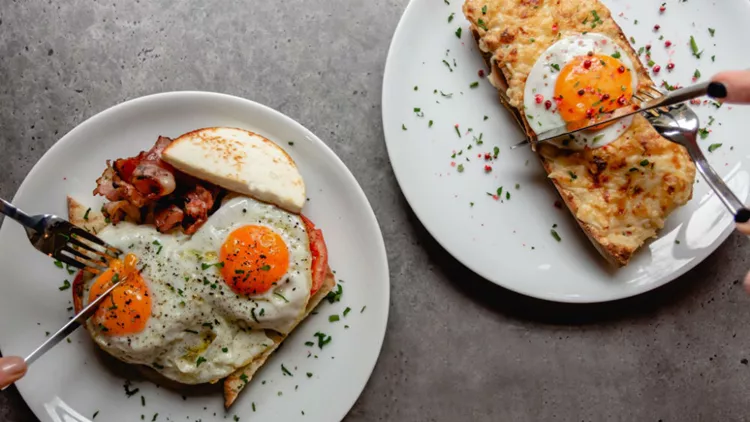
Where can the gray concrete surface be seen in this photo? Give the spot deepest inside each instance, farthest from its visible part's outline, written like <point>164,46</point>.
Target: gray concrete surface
<point>457,348</point>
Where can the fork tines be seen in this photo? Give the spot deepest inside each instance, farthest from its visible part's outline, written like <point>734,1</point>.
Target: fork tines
<point>84,250</point>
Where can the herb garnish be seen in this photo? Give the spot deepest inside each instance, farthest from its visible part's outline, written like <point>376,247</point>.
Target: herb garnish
<point>281,296</point>
<point>285,371</point>
<point>335,296</point>
<point>205,266</point>
<point>333,318</point>
<point>694,48</point>
<point>555,235</point>
<point>65,286</point>
<point>458,32</point>
<point>200,360</point>
<point>714,147</point>
<point>323,339</point>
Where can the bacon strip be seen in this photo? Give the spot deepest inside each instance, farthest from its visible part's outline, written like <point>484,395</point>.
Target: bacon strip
<point>146,186</point>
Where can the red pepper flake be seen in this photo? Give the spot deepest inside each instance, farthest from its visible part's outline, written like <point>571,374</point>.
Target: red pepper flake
<point>621,69</point>
<point>656,27</point>
<point>695,101</point>
<point>481,73</point>
<point>554,27</point>
<point>547,104</point>
<point>670,66</point>
<point>539,98</point>
<point>656,68</point>
<point>621,100</point>
<point>487,168</point>
<point>487,156</point>
<point>453,164</point>
<point>605,97</point>
<point>648,46</point>
<point>667,43</point>
<point>663,8</point>
<point>495,197</point>
<point>587,63</point>
<point>590,113</point>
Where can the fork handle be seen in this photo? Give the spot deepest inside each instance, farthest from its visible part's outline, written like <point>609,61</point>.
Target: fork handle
<point>11,211</point>
<point>730,200</point>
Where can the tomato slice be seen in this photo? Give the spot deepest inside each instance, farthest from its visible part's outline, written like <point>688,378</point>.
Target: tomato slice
<point>319,255</point>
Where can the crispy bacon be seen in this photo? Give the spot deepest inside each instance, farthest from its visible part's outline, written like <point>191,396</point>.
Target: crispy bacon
<point>319,253</point>
<point>146,186</point>
<point>168,218</point>
<point>199,202</point>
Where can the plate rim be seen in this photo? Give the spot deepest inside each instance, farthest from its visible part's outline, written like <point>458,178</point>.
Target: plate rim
<point>195,94</point>
<point>389,72</point>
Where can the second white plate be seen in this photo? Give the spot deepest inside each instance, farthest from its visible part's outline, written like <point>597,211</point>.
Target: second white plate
<point>427,92</point>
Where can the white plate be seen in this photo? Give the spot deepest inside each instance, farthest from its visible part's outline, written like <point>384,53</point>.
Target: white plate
<point>495,238</point>
<point>74,379</point>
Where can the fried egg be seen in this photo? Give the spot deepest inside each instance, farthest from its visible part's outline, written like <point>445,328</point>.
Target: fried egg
<point>195,308</point>
<point>579,77</point>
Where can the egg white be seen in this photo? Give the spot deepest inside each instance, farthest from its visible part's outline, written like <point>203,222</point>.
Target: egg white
<point>200,330</point>
<point>542,79</point>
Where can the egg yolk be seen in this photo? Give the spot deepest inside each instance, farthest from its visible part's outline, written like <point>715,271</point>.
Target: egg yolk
<point>255,258</point>
<point>128,307</point>
<point>590,85</point>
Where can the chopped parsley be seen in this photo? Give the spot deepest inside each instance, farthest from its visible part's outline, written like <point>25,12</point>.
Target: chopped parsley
<point>714,147</point>
<point>485,118</point>
<point>616,55</point>
<point>403,126</point>
<point>143,401</point>
<point>429,124</point>
<point>450,18</point>
<point>644,163</point>
<point>555,235</point>
<point>128,392</point>
<point>460,168</point>
<point>694,47</point>
<point>200,360</point>
<point>335,296</point>
<point>697,74</point>
<point>458,32</point>
<point>555,66</point>
<point>495,152</point>
<point>309,344</point>
<point>711,31</point>
<point>474,84</point>
<point>347,310</point>
<point>703,132</point>
<point>481,24</point>
<point>253,405</point>
<point>156,415</point>
<point>363,309</point>
<point>445,62</point>
<point>65,286</point>
<point>333,318</point>
<point>224,349</point>
<point>458,132</point>
<point>323,339</point>
<point>205,266</point>
<point>95,414</point>
<point>309,375</point>
<point>573,176</point>
<point>245,379</point>
<point>86,217</point>
<point>265,268</point>
<point>285,371</point>
<point>596,139</point>
<point>484,9</point>
<point>58,264</point>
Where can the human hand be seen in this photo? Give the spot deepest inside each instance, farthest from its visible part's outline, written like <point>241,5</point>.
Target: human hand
<point>735,85</point>
<point>12,369</point>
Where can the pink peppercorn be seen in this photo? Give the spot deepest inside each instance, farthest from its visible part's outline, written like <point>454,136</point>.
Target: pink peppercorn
<point>656,68</point>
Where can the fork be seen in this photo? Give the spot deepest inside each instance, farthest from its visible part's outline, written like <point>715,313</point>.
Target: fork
<point>679,123</point>
<point>63,241</point>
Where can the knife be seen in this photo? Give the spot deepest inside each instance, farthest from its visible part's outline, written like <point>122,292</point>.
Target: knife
<point>71,326</point>
<point>674,97</point>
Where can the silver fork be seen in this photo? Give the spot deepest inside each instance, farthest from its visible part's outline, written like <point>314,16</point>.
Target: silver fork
<point>679,124</point>
<point>63,241</point>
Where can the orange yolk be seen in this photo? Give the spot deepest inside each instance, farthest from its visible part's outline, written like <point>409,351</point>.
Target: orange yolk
<point>590,85</point>
<point>128,307</point>
<point>255,258</point>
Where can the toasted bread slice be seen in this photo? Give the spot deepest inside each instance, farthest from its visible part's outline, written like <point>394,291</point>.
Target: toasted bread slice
<point>621,193</point>
<point>90,219</point>
<point>236,382</point>
<point>240,161</point>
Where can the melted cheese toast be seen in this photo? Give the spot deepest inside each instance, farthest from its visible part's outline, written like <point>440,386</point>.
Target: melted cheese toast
<point>620,193</point>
